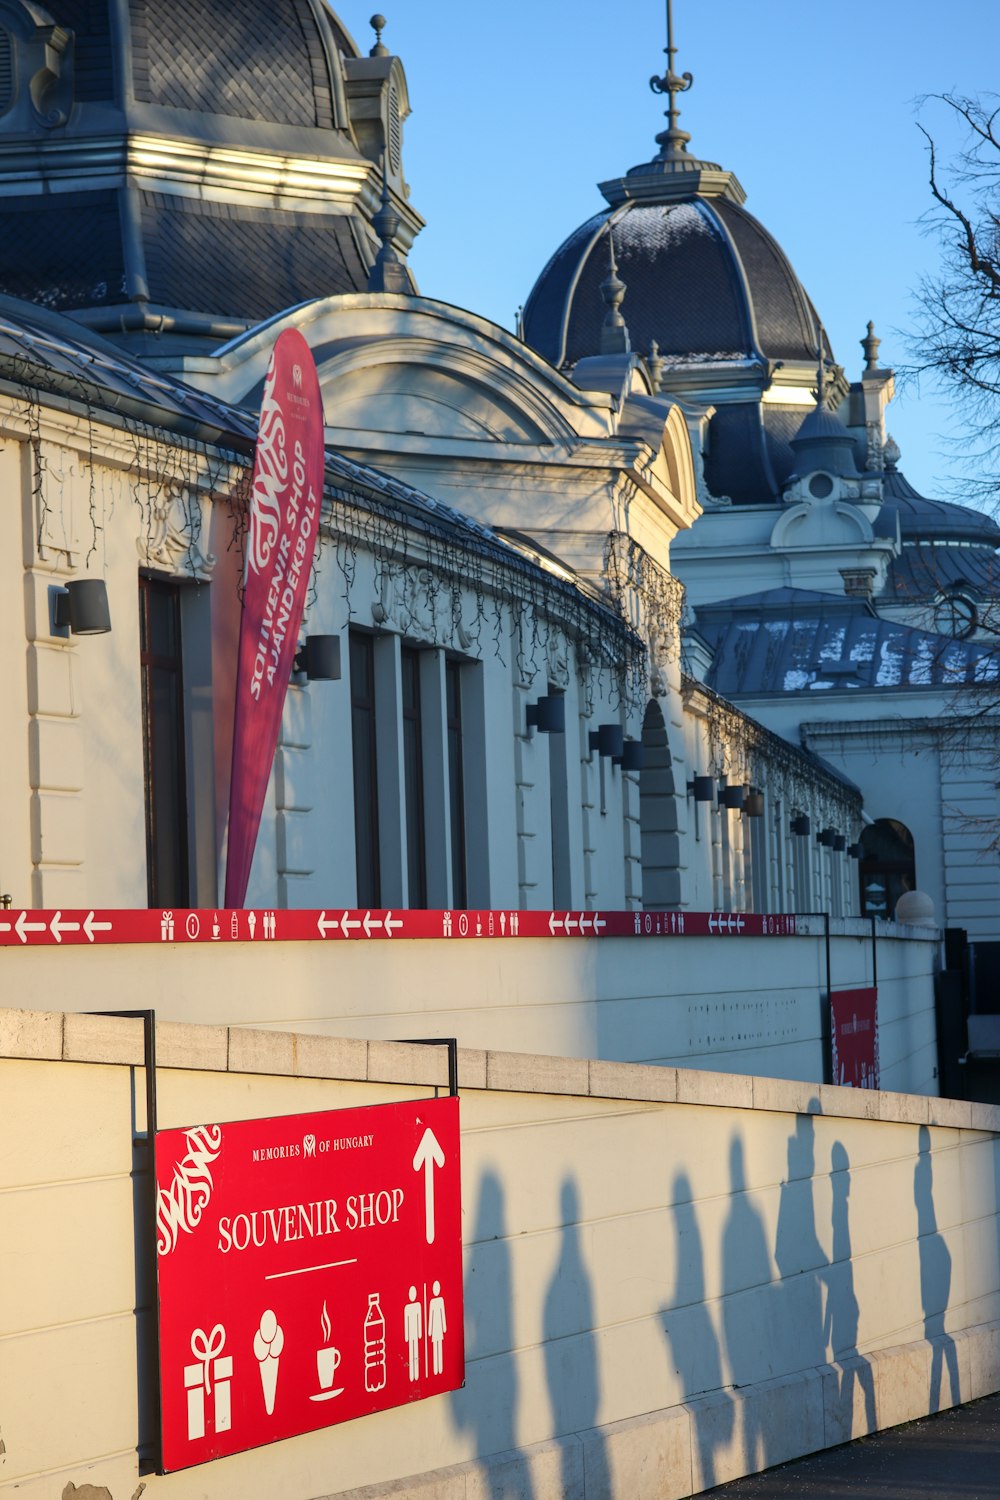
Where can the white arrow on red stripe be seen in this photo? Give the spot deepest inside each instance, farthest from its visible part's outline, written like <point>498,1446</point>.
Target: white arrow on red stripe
<point>57,926</point>
<point>90,926</point>
<point>22,926</point>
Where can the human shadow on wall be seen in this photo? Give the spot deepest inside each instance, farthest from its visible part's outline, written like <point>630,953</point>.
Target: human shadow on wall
<point>488,1404</point>
<point>690,1334</point>
<point>935,1275</point>
<point>747,1290</point>
<point>841,1318</point>
<point>800,1340</point>
<point>571,1368</point>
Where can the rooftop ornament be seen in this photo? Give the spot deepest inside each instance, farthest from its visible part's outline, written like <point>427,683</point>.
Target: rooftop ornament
<point>672,141</point>
<point>614,333</point>
<point>378,25</point>
<point>870,346</point>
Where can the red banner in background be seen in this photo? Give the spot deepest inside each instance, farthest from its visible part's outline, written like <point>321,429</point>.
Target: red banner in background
<point>855,1038</point>
<point>284,518</point>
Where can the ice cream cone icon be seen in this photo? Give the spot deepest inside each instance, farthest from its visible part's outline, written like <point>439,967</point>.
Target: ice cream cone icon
<point>268,1342</point>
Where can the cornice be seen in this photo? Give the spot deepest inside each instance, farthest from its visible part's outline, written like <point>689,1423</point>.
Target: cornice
<point>195,168</point>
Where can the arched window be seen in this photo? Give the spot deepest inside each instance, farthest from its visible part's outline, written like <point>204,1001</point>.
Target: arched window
<point>661,876</point>
<point>887,868</point>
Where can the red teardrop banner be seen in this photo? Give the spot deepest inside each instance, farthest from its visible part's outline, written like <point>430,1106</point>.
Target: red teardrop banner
<point>284,518</point>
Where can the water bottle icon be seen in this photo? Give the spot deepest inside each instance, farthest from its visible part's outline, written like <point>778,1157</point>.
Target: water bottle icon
<point>374,1345</point>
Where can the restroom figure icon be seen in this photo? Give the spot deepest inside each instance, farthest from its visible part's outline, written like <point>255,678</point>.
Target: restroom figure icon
<point>425,1324</point>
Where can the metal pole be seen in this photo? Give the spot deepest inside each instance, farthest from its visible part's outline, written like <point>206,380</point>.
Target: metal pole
<point>874,957</point>
<point>148,1019</point>
<point>451,1043</point>
<point>826,1004</point>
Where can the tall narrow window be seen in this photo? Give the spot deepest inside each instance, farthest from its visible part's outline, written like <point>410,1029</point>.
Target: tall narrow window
<point>413,770</point>
<point>365,769</point>
<point>802,867</point>
<point>559,818</point>
<point>456,781</point>
<point>755,832</point>
<point>168,881</point>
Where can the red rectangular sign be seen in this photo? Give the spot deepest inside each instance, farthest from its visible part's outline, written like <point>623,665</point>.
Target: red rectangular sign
<point>24,928</point>
<point>855,1038</point>
<point>309,1271</point>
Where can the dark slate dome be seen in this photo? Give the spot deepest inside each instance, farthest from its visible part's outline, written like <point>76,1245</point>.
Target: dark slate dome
<point>708,290</point>
<point>704,280</point>
<point>206,164</point>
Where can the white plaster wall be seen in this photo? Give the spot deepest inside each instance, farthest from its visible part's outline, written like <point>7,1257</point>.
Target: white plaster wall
<point>670,1278</point>
<point>749,1005</point>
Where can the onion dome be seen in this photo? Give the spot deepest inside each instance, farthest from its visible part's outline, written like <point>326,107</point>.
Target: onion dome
<point>205,165</point>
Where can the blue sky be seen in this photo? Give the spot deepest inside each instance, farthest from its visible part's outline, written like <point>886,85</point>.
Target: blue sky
<point>520,109</point>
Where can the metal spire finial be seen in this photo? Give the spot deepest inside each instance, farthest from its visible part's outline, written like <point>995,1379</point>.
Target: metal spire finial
<point>388,273</point>
<point>673,140</point>
<point>614,334</point>
<point>820,371</point>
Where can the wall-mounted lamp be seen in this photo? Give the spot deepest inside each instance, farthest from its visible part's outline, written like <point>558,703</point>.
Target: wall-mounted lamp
<point>548,715</point>
<point>753,806</point>
<point>632,757</point>
<point>607,739</point>
<point>731,797</point>
<point>855,851</point>
<point>826,837</point>
<point>80,607</point>
<point>319,658</point>
<point>702,788</point>
<point>839,843</point>
<point>800,825</point>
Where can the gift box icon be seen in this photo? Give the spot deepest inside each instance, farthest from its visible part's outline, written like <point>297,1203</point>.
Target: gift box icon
<point>210,1377</point>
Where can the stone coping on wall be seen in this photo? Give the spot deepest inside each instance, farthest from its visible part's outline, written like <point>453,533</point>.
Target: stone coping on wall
<point>54,1036</point>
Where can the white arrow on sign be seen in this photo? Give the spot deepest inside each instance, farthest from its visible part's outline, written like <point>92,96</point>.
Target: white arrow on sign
<point>346,924</point>
<point>57,926</point>
<point>326,924</point>
<point>739,924</point>
<point>553,924</point>
<point>429,1155</point>
<point>90,926</point>
<point>570,923</point>
<point>390,924</point>
<point>586,925</point>
<point>22,926</point>
<point>599,922</point>
<point>371,924</point>
<point>712,925</point>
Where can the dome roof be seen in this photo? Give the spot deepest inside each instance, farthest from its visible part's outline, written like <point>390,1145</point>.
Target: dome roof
<point>267,60</point>
<point>923,520</point>
<point>711,289</point>
<point>704,279</point>
<point>206,164</point>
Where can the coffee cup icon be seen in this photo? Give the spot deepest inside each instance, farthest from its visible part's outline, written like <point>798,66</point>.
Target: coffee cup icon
<point>327,1361</point>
